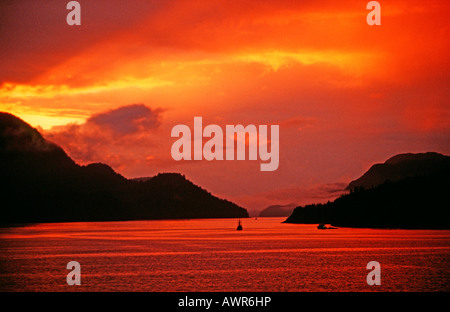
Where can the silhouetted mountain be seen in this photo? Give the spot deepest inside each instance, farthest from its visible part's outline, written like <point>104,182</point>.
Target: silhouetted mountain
<point>400,167</point>
<point>277,211</point>
<point>417,202</point>
<point>40,183</point>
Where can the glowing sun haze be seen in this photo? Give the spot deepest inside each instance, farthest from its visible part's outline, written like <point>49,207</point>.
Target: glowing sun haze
<point>345,94</point>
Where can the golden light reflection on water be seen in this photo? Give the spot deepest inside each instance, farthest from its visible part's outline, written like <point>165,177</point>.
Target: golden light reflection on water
<point>210,255</point>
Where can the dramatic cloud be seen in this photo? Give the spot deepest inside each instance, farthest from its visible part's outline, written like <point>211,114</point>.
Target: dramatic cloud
<point>35,34</point>
<point>120,137</point>
<point>344,93</point>
<point>127,119</point>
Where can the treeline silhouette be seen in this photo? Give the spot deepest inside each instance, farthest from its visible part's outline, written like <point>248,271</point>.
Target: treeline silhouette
<point>39,182</point>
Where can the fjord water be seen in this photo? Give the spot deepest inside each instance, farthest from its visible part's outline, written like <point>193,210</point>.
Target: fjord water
<point>210,255</point>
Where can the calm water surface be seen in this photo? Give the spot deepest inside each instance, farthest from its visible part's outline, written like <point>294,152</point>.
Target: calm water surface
<point>210,255</point>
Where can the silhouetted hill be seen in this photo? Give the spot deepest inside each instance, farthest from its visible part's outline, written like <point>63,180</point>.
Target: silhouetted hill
<point>177,195</point>
<point>277,211</point>
<point>400,167</point>
<point>419,202</point>
<point>40,183</point>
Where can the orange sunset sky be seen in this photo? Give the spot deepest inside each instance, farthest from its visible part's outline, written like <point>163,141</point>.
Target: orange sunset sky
<point>345,94</point>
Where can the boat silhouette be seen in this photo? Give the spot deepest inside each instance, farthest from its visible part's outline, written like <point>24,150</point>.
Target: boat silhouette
<point>239,227</point>
<point>324,227</point>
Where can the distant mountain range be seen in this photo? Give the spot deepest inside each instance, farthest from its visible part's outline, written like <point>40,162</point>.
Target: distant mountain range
<point>278,210</point>
<point>39,182</point>
<point>407,191</point>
